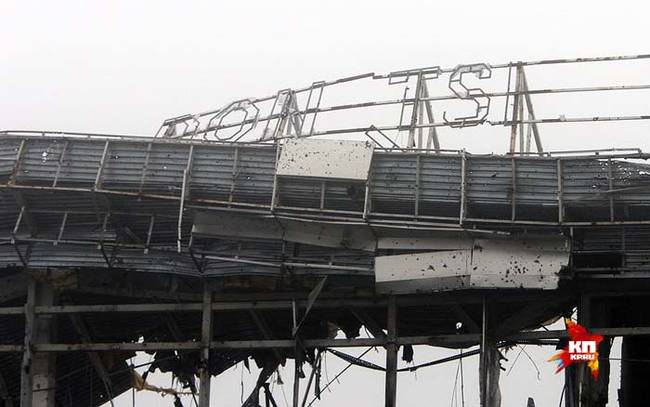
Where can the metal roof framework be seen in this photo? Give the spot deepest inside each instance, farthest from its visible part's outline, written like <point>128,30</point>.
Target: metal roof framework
<point>118,216</point>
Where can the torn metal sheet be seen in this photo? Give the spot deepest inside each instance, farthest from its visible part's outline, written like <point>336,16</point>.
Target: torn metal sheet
<point>215,224</point>
<point>12,286</point>
<point>526,263</point>
<point>424,243</point>
<point>207,224</point>
<point>326,159</point>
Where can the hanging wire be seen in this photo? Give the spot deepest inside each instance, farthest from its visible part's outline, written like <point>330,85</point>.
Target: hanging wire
<point>284,395</point>
<point>627,360</point>
<point>514,362</point>
<point>459,374</point>
<point>327,376</point>
<point>336,377</point>
<point>454,392</point>
<point>462,379</point>
<point>241,384</point>
<point>132,386</point>
<point>539,374</point>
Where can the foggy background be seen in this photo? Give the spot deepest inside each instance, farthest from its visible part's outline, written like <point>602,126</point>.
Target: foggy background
<point>125,66</point>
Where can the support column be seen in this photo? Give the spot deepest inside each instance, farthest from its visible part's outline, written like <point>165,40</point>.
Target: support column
<point>483,374</point>
<point>516,111</point>
<point>489,364</point>
<point>38,370</point>
<point>26,366</point>
<point>4,393</point>
<point>493,373</point>
<point>597,393</point>
<point>594,393</point>
<point>391,354</point>
<point>314,370</point>
<point>635,375</point>
<point>206,337</point>
<point>297,372</point>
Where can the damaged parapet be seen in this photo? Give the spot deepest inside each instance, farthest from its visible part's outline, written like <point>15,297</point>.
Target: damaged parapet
<point>349,160</point>
<point>475,263</point>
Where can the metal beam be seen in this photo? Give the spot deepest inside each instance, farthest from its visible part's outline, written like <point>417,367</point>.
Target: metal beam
<point>297,373</point>
<point>26,372</point>
<point>531,111</point>
<point>38,370</point>
<point>483,373</point>
<point>314,369</point>
<point>185,192</point>
<point>313,295</point>
<point>206,338</point>
<point>433,132</point>
<point>391,354</point>
<point>446,340</point>
<point>95,360</point>
<point>227,304</point>
<point>515,112</point>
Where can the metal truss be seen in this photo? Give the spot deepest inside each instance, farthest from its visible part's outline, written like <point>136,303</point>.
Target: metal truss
<point>293,112</point>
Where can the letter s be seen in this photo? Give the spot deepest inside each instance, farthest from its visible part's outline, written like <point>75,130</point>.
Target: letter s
<point>476,95</point>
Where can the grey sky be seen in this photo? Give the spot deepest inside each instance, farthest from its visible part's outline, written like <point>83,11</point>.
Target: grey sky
<point>124,66</point>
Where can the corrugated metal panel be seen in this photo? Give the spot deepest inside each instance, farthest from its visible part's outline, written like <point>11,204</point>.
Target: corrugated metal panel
<point>8,151</point>
<point>490,179</point>
<point>254,181</point>
<point>244,175</point>
<point>585,182</point>
<point>536,181</point>
<point>392,184</point>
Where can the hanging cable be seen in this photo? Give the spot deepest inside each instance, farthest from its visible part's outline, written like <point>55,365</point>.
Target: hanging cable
<point>514,362</point>
<point>327,376</point>
<point>360,362</point>
<point>241,385</point>
<point>539,374</point>
<point>454,392</point>
<point>132,385</point>
<point>462,379</point>
<point>337,376</point>
<point>356,360</point>
<point>284,396</point>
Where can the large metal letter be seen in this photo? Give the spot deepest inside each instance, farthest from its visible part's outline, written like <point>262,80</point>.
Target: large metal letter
<point>476,95</point>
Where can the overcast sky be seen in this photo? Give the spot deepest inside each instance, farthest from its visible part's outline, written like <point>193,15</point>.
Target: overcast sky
<point>124,66</point>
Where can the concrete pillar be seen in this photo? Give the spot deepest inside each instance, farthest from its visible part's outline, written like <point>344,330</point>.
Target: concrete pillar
<point>489,364</point>
<point>206,338</point>
<point>297,372</point>
<point>587,392</point>
<point>391,355</point>
<point>38,374</point>
<point>635,374</point>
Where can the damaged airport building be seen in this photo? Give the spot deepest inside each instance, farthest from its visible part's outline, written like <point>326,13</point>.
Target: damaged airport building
<point>264,229</point>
